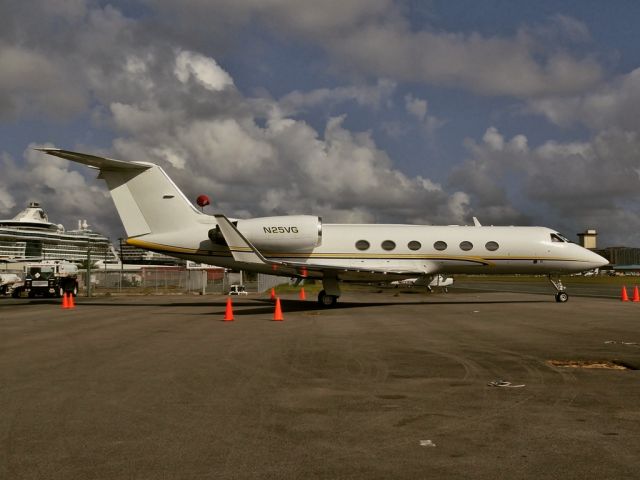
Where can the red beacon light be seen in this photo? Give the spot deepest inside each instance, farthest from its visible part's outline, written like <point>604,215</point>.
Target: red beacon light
<point>203,201</point>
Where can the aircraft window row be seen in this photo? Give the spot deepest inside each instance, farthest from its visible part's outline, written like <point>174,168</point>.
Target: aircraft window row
<point>439,245</point>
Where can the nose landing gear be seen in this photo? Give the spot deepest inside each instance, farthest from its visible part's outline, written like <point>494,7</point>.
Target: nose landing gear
<point>561,295</point>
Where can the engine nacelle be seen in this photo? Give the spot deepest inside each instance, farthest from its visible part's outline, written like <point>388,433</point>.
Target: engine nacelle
<point>285,233</point>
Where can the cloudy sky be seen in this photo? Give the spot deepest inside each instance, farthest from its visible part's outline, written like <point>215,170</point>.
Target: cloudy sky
<point>517,112</point>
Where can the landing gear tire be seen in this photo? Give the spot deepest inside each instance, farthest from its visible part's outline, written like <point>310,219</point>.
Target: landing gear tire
<point>561,295</point>
<point>327,300</point>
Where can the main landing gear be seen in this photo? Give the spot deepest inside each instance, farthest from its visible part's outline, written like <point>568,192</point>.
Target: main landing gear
<point>327,300</point>
<point>561,295</point>
<point>329,296</point>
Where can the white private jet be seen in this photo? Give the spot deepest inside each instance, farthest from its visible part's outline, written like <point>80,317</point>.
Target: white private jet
<point>429,281</point>
<point>157,216</point>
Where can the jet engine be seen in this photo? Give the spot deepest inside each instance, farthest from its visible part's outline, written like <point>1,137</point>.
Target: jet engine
<point>278,234</point>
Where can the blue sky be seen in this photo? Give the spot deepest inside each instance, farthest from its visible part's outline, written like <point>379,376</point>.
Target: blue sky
<point>356,110</point>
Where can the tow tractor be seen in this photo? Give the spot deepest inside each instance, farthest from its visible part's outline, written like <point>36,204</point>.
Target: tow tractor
<point>51,278</point>
<point>236,289</point>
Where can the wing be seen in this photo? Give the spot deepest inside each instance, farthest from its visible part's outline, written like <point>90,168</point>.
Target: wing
<point>243,251</point>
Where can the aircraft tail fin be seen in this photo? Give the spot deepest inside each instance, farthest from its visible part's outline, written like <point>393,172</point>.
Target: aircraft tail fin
<point>146,198</point>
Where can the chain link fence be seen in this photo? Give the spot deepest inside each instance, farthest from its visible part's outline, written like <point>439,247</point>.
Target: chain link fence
<point>178,280</point>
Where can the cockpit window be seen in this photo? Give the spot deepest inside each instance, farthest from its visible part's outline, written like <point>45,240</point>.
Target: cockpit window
<point>558,237</point>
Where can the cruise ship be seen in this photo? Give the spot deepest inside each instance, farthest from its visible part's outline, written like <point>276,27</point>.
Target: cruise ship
<point>31,236</point>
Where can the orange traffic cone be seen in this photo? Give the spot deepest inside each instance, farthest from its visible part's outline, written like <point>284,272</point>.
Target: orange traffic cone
<point>72,302</point>
<point>65,301</point>
<point>277,314</point>
<point>302,294</point>
<point>636,294</point>
<point>228,314</point>
<point>624,297</point>
<point>273,294</point>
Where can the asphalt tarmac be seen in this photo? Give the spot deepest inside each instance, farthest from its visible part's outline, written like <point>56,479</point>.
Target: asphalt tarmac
<point>542,286</point>
<point>381,387</point>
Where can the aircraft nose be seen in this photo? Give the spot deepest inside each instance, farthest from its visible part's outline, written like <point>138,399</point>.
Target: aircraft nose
<point>596,260</point>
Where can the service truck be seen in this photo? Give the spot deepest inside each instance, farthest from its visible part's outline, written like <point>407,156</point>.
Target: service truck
<point>50,278</point>
<point>7,282</point>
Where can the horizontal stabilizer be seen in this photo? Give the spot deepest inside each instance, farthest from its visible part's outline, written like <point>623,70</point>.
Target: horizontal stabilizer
<point>102,163</point>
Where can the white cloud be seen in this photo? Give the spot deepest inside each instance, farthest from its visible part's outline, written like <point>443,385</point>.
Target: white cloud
<point>486,65</point>
<point>306,17</point>
<point>376,38</point>
<point>64,193</point>
<point>203,69</point>
<point>459,206</point>
<point>176,160</point>
<point>169,102</point>
<point>580,184</point>
<point>493,139</point>
<point>416,107</point>
<point>32,83</point>
<point>136,118</point>
<point>614,104</point>
<point>373,96</point>
<point>7,202</point>
<point>278,165</point>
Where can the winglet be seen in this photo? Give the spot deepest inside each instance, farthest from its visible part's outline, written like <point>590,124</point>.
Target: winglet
<point>476,222</point>
<point>240,247</point>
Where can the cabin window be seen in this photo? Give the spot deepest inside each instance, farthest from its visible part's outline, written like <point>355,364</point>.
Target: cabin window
<point>466,246</point>
<point>414,245</point>
<point>362,245</point>
<point>492,246</point>
<point>440,245</point>
<point>388,245</point>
